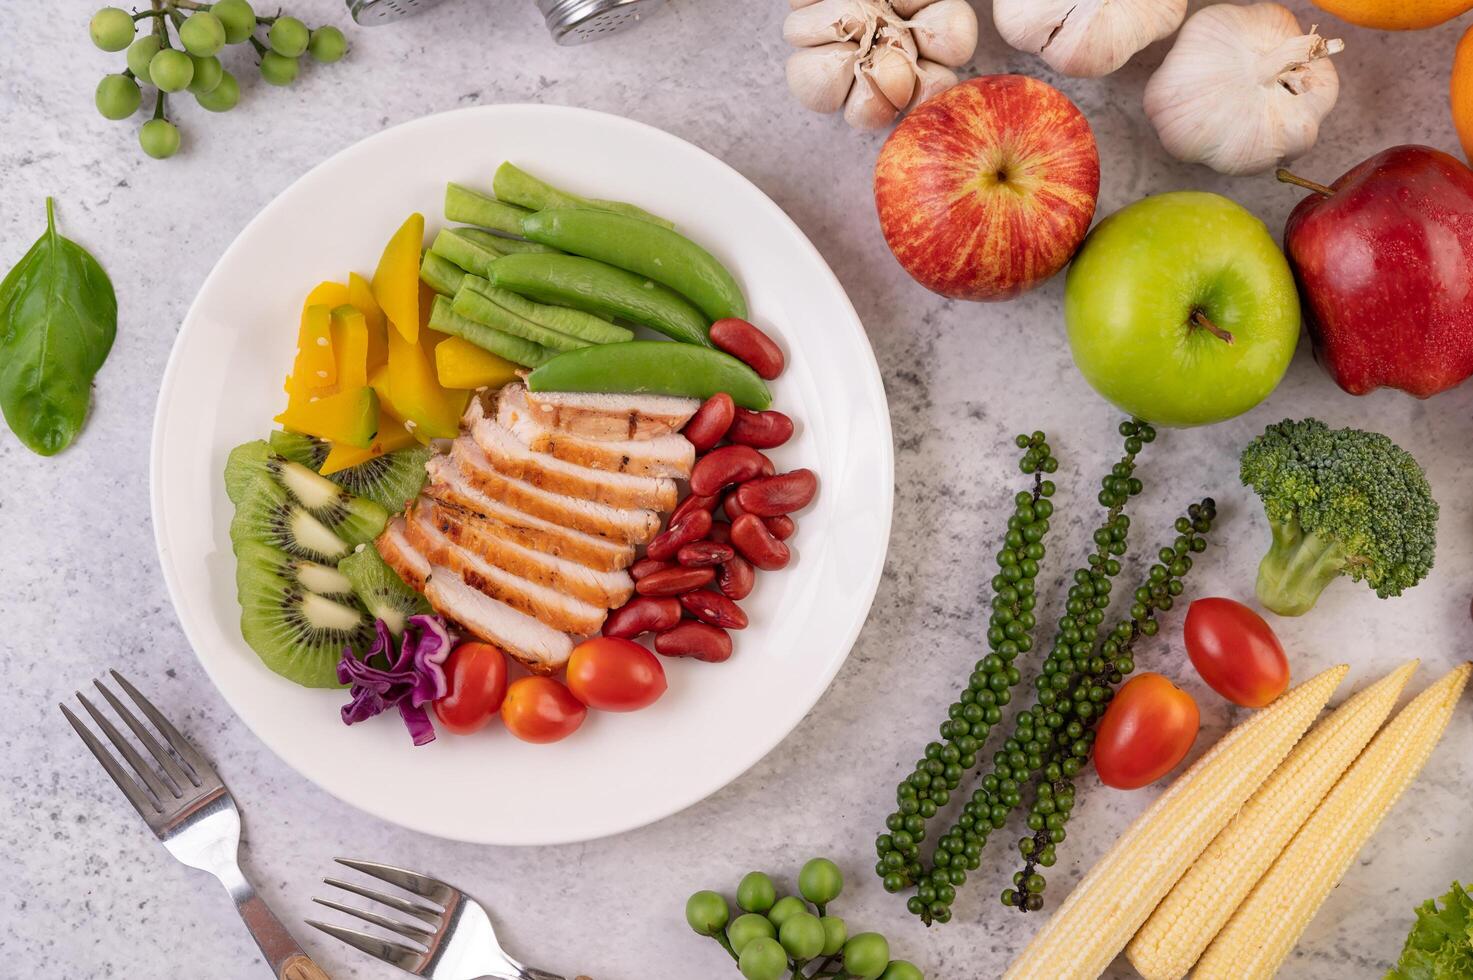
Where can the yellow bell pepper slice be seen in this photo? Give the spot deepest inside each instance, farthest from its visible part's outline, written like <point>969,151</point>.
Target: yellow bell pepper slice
<point>360,294</point>
<point>396,280</point>
<point>350,347</point>
<point>392,437</point>
<point>417,395</point>
<point>461,364</point>
<point>350,417</point>
<point>314,366</point>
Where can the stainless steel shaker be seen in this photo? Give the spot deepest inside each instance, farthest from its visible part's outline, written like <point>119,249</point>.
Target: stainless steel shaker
<point>568,21</point>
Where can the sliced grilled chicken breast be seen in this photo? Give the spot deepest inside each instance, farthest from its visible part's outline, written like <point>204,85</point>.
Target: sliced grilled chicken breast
<point>669,455</point>
<point>512,458</point>
<point>626,525</point>
<point>600,416</point>
<point>448,485</point>
<point>497,545</point>
<point>563,613</point>
<point>540,647</point>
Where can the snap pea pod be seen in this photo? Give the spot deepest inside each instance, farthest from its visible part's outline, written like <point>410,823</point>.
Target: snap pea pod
<point>653,367</point>
<point>440,274</point>
<point>474,208</point>
<point>665,256</point>
<point>597,287</point>
<point>516,186</point>
<point>500,243</point>
<point>473,305</point>
<point>515,349</point>
<point>454,246</point>
<point>574,323</point>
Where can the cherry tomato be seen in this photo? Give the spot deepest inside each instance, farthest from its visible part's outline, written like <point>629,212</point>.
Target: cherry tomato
<point>1236,652</point>
<point>1148,728</point>
<point>540,709</point>
<point>476,673</point>
<point>613,674</point>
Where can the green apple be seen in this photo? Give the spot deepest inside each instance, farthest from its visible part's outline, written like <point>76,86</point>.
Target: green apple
<point>1181,309</point>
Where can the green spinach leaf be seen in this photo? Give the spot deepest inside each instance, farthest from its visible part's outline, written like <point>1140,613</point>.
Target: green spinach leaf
<point>58,317</point>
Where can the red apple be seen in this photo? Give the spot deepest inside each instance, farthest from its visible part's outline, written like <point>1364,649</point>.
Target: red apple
<point>987,189</point>
<point>1384,258</point>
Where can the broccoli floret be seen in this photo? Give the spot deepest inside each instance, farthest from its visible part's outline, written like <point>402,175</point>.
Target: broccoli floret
<point>1339,502</point>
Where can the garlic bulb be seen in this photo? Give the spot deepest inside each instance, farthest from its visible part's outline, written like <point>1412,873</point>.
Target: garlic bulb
<point>875,57</point>
<point>820,77</point>
<point>1243,89</point>
<point>1086,38</point>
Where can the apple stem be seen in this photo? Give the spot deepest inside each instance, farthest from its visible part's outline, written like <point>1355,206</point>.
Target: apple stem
<point>1199,320</point>
<point>1309,185</point>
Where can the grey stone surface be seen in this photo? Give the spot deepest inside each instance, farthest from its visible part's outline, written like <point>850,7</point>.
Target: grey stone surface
<point>87,894</point>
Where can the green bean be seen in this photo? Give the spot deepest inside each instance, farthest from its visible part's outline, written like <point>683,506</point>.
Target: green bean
<point>500,243</point>
<point>516,186</point>
<point>473,305</point>
<point>440,274</point>
<point>663,255</point>
<point>454,246</point>
<point>597,287</point>
<point>653,367</point>
<point>515,349</point>
<point>574,323</point>
<point>474,208</point>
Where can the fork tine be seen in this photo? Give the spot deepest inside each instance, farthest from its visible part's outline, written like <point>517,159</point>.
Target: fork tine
<point>140,800</point>
<point>422,912</point>
<point>405,929</point>
<point>396,953</point>
<point>422,885</point>
<point>175,775</point>
<point>142,769</point>
<point>181,745</point>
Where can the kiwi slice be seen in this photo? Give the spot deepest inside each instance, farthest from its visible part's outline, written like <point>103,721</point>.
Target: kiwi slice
<point>353,519</point>
<point>322,579</point>
<point>297,632</point>
<point>391,480</point>
<point>381,590</point>
<point>266,513</point>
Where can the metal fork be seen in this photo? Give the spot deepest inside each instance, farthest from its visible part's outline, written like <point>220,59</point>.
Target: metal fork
<point>189,809</point>
<point>455,942</point>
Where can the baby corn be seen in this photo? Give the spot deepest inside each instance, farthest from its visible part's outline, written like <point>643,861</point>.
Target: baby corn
<point>1266,926</point>
<point>1108,906</point>
<point>1203,900</point>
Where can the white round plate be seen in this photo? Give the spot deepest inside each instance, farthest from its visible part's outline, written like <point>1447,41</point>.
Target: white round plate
<point>620,771</point>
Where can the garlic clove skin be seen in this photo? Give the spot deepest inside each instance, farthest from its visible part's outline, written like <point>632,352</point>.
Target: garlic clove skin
<point>892,68</point>
<point>931,79</point>
<point>820,77</point>
<point>866,107</point>
<point>828,21</point>
<point>1086,38</point>
<point>908,8</point>
<point>1243,89</point>
<point>946,32</point>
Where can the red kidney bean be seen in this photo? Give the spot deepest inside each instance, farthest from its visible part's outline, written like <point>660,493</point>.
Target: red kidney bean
<point>727,465</point>
<point>692,639</point>
<point>675,580</point>
<point>748,344</point>
<point>692,502</point>
<point>735,578</point>
<point>707,427</point>
<point>692,526</point>
<point>642,614</point>
<point>760,430</point>
<point>715,609</point>
<point>756,544</point>
<point>720,532</point>
<point>647,566</point>
<point>773,495</point>
<point>699,553</point>
<point>781,526</point>
<point>732,506</point>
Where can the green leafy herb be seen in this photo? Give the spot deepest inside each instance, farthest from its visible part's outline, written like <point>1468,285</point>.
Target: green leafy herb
<point>58,317</point>
<point>1440,946</point>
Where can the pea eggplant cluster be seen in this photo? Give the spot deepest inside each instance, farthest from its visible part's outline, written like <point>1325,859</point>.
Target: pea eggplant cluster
<point>1051,741</point>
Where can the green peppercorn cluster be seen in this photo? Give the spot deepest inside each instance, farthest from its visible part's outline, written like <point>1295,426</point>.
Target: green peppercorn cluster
<point>201,34</point>
<point>1067,744</point>
<point>979,705</point>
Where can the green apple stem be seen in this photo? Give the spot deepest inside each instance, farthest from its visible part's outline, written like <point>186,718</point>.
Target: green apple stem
<point>1199,320</point>
<point>1309,185</point>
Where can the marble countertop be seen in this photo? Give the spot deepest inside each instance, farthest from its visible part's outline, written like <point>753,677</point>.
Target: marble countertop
<point>88,894</point>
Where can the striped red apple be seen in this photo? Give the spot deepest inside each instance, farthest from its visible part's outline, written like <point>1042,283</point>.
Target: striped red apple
<point>987,189</point>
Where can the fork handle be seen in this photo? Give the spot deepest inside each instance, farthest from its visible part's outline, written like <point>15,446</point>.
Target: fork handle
<point>301,967</point>
<point>286,958</point>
